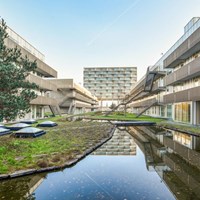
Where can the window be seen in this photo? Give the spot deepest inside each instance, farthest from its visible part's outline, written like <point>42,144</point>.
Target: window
<point>182,112</point>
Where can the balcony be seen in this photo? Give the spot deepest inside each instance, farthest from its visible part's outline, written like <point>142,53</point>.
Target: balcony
<point>42,83</point>
<point>144,103</point>
<point>191,70</point>
<point>191,94</point>
<point>84,105</point>
<point>82,98</point>
<point>157,88</point>
<point>42,67</point>
<point>184,51</point>
<point>45,101</point>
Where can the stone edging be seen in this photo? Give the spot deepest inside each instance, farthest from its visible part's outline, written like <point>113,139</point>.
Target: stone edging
<point>54,168</point>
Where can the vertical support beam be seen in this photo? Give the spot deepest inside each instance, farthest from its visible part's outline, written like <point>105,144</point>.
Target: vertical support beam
<point>197,112</point>
<point>125,110</point>
<point>42,111</point>
<point>173,112</point>
<point>34,111</point>
<point>195,143</point>
<point>193,115</point>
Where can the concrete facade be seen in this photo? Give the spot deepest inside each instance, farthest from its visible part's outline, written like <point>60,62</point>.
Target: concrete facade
<point>55,95</point>
<point>177,93</point>
<point>43,71</point>
<point>71,97</point>
<point>174,156</point>
<point>121,143</point>
<point>110,83</point>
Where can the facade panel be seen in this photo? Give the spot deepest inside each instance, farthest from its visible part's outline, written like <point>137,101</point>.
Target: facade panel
<point>42,71</point>
<point>179,98</point>
<point>110,83</point>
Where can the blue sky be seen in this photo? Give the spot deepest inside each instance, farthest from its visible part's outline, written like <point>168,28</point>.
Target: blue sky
<point>84,33</point>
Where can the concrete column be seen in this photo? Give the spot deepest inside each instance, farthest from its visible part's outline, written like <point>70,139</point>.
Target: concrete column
<point>173,112</point>
<point>42,111</point>
<point>195,143</point>
<point>198,112</point>
<point>34,111</point>
<point>193,114</point>
<point>124,110</point>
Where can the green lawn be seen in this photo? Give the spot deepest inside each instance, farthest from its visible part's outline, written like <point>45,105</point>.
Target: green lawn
<point>183,127</point>
<point>121,116</point>
<point>61,143</point>
<point>64,142</point>
<point>129,116</point>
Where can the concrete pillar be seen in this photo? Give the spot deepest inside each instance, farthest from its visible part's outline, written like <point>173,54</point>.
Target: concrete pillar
<point>195,143</point>
<point>125,110</point>
<point>173,112</point>
<point>34,111</point>
<point>42,112</point>
<point>197,112</point>
<point>193,113</point>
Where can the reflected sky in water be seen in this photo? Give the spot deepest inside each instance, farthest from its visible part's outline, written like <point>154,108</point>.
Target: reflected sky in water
<point>105,177</point>
<point>145,169</point>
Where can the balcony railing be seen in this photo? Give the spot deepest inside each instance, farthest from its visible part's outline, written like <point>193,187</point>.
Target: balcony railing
<point>186,72</point>
<point>23,43</point>
<point>42,83</point>
<point>191,94</point>
<point>190,46</point>
<point>43,100</point>
<point>42,67</point>
<point>144,103</point>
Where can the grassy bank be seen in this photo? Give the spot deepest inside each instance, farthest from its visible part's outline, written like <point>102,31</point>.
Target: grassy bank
<point>60,144</point>
<point>159,121</point>
<point>121,116</point>
<point>181,127</point>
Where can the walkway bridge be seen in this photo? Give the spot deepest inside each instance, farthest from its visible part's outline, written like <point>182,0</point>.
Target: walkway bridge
<point>143,88</point>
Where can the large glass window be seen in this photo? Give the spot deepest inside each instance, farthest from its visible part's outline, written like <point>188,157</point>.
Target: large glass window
<point>169,111</point>
<point>183,139</point>
<point>162,111</point>
<point>182,112</point>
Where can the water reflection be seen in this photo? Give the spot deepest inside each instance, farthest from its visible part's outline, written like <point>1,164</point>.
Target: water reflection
<point>148,163</point>
<point>122,143</point>
<point>174,156</point>
<point>20,188</point>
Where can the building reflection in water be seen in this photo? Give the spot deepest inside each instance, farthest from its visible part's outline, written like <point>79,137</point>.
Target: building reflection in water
<point>20,188</point>
<point>174,156</point>
<point>122,143</point>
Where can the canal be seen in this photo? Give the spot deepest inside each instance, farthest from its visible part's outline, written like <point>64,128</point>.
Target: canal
<point>137,163</point>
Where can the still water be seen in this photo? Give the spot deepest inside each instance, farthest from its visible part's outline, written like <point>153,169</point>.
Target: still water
<point>137,163</point>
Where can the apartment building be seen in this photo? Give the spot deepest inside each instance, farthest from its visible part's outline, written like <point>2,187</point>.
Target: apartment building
<point>71,97</point>
<point>175,94</point>
<point>109,83</point>
<point>55,95</point>
<point>183,82</point>
<point>171,154</point>
<point>43,71</point>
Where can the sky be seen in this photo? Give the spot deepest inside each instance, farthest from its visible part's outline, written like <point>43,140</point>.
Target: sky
<point>73,34</point>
